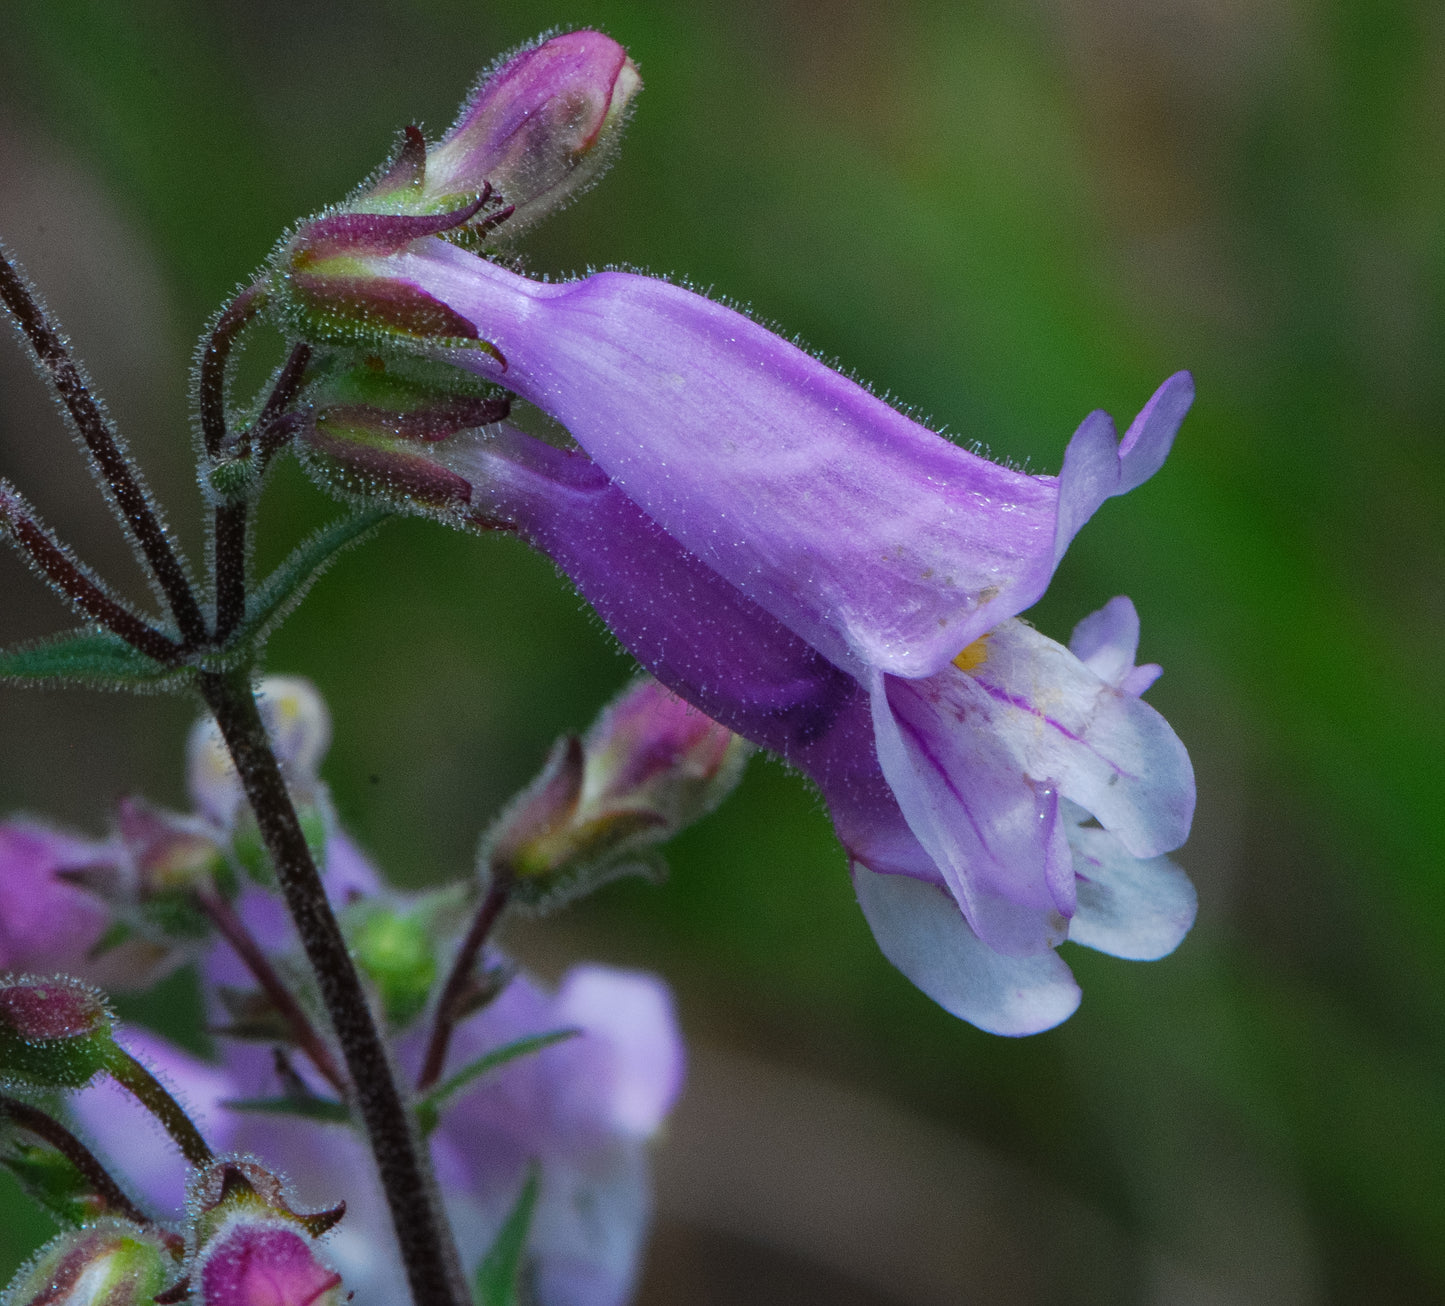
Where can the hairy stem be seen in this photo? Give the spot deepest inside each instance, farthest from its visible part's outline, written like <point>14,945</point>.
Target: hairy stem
<point>459,981</point>
<point>232,516</point>
<point>428,1253</point>
<point>104,444</point>
<point>211,373</point>
<point>76,583</point>
<point>152,1094</point>
<point>54,1134</point>
<point>234,930</point>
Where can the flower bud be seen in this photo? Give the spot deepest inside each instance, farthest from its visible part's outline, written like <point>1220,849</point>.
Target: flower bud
<point>261,1262</point>
<point>54,1033</point>
<point>110,1263</point>
<point>234,1187</point>
<point>539,128</point>
<point>528,140</point>
<point>649,767</point>
<point>650,751</point>
<point>374,429</point>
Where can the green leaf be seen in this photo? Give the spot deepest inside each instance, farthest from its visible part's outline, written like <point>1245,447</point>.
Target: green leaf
<point>313,1108</point>
<point>95,658</point>
<point>285,587</point>
<point>500,1273</point>
<point>429,1107</point>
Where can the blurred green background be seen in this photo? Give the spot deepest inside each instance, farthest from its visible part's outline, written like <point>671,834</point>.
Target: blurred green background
<point>1005,214</point>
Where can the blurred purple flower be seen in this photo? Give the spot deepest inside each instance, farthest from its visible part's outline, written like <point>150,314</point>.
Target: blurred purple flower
<point>583,1109</point>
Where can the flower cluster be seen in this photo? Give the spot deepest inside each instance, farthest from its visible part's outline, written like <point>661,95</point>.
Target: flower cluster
<point>794,563</point>
<point>560,1089</point>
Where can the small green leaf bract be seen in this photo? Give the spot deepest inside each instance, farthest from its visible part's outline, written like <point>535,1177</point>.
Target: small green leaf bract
<point>500,1273</point>
<point>429,1107</point>
<point>313,1108</point>
<point>90,657</point>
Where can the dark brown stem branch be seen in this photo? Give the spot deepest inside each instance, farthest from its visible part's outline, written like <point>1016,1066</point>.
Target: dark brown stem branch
<point>459,981</point>
<point>428,1253</point>
<point>56,1135</point>
<point>107,451</point>
<point>211,375</point>
<point>76,582</point>
<point>234,930</point>
<point>232,515</point>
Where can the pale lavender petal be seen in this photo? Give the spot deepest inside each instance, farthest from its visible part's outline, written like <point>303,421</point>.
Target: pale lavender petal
<point>1107,642</point>
<point>45,924</point>
<point>631,1045</point>
<point>1134,908</point>
<point>589,1228</point>
<point>1096,467</point>
<point>1104,749</point>
<point>993,831</point>
<point>920,930</point>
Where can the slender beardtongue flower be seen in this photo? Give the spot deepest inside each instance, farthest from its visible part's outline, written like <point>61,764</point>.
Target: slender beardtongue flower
<point>955,743</point>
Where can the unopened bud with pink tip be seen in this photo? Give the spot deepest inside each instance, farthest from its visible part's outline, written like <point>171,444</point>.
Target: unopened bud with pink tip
<point>539,128</point>
<point>532,135</point>
<point>650,766</point>
<point>54,1032</point>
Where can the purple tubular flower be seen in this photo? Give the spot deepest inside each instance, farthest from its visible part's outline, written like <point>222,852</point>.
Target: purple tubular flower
<point>755,456</point>
<point>697,634</point>
<point>747,482</point>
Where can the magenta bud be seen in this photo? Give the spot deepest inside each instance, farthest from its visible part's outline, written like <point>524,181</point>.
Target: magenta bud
<point>51,1009</point>
<point>261,1262</point>
<point>539,128</point>
<point>109,1263</point>
<point>54,1033</point>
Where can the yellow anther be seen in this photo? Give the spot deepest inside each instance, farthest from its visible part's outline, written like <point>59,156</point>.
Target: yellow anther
<point>975,655</point>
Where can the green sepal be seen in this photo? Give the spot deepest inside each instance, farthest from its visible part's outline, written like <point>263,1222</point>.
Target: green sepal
<point>93,658</point>
<point>324,1109</point>
<point>52,1182</point>
<point>499,1279</point>
<point>428,1108</point>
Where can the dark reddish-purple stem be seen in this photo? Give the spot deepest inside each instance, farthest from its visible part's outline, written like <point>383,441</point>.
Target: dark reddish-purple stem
<point>104,445</point>
<point>77,584</point>
<point>460,980</point>
<point>223,916</point>
<point>428,1252</point>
